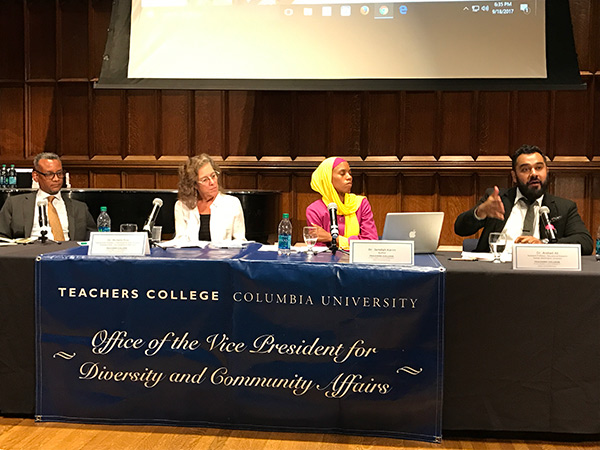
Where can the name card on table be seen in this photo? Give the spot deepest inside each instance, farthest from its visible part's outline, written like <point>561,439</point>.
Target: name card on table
<point>547,257</point>
<point>119,244</point>
<point>382,252</point>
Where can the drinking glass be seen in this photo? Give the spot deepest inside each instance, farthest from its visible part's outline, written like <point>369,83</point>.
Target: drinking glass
<point>497,245</point>
<point>128,228</point>
<point>310,238</point>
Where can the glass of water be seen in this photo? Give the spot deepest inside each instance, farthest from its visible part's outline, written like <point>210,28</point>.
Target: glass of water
<point>310,238</point>
<point>497,243</point>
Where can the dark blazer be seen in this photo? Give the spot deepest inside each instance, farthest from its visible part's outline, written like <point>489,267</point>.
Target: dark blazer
<point>570,229</point>
<point>16,217</point>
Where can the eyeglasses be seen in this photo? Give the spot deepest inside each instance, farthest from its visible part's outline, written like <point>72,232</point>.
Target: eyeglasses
<point>212,177</point>
<point>50,175</point>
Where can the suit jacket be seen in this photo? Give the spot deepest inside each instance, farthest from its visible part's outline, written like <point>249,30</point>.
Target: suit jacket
<point>570,229</point>
<point>16,217</point>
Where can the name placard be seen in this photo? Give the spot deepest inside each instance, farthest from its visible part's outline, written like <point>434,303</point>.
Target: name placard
<point>547,257</point>
<point>118,244</point>
<point>382,252</point>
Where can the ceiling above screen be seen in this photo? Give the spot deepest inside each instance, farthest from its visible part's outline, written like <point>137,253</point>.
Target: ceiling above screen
<point>337,45</point>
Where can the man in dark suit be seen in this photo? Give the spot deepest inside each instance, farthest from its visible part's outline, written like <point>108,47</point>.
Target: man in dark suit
<point>506,209</point>
<point>69,219</point>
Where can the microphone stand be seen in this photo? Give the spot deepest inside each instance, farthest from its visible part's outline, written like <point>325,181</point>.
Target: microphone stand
<point>333,246</point>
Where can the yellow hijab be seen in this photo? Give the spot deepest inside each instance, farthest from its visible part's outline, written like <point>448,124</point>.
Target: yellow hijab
<point>321,183</point>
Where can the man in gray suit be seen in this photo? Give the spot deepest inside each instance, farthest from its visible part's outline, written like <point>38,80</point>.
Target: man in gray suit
<point>19,216</point>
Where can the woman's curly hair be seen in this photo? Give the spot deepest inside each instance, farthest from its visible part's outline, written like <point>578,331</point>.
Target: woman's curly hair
<point>188,176</point>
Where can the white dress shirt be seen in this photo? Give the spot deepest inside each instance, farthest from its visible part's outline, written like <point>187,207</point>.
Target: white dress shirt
<point>514,225</point>
<point>226,220</point>
<point>59,205</point>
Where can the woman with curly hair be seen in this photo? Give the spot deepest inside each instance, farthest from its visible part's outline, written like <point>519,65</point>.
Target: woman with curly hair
<point>202,211</point>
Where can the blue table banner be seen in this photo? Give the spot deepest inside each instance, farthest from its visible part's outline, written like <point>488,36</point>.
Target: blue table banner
<point>241,339</point>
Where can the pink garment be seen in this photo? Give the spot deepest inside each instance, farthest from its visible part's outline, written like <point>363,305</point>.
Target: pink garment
<point>317,213</point>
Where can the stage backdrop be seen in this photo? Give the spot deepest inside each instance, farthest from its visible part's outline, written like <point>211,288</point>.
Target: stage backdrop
<point>241,339</point>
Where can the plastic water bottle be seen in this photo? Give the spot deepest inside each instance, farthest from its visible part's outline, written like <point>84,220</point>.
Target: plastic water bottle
<point>3,176</point>
<point>284,231</point>
<point>103,220</point>
<point>598,244</point>
<point>12,177</point>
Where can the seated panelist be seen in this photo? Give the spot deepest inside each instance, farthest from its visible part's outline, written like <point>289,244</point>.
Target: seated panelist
<point>68,219</point>
<point>333,180</point>
<point>202,211</point>
<point>515,211</point>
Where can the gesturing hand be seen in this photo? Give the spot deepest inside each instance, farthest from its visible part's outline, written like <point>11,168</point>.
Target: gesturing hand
<point>492,207</point>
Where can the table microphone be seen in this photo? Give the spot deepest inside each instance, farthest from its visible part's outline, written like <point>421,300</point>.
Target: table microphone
<point>157,203</point>
<point>333,227</point>
<point>43,219</point>
<point>548,226</point>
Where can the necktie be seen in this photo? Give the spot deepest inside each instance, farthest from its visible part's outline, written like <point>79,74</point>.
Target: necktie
<point>55,225</point>
<point>529,217</point>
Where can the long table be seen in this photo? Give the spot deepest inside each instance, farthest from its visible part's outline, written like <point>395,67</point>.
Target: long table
<point>522,348</point>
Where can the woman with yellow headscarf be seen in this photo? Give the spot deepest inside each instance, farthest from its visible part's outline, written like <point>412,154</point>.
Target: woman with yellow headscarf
<point>333,180</point>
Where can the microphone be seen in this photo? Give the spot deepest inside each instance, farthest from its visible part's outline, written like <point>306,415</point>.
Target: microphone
<point>157,203</point>
<point>333,227</point>
<point>42,214</point>
<point>548,226</point>
<point>43,220</point>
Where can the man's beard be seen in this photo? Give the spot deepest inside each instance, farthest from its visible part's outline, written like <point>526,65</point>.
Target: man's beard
<point>530,193</point>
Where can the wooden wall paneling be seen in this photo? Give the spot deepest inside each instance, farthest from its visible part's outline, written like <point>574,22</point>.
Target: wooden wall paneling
<point>105,179</point>
<point>455,194</point>
<point>571,131</point>
<point>458,117</point>
<point>384,124</point>
<point>12,42</point>
<point>312,124</point>
<point>176,122</point>
<point>582,19</point>
<point>493,124</point>
<point>242,123</point>
<point>109,123</point>
<point>382,192</point>
<point>40,40</point>
<point>167,180</point>
<point>12,132</point>
<point>419,193</point>
<point>532,119</point>
<point>595,116</point>
<point>488,181</point>
<point>140,179</point>
<point>142,111</point>
<point>419,132</point>
<point>79,178</point>
<point>72,39</point>
<point>276,124</point>
<point>304,196</point>
<point>282,182</point>
<point>73,119</point>
<point>345,123</point>
<point>236,179</point>
<point>99,19</point>
<point>594,221</point>
<point>208,124</point>
<point>574,187</point>
<point>40,119</point>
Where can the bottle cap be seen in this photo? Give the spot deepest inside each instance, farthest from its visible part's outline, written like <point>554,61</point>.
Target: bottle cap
<point>103,208</point>
<point>286,216</point>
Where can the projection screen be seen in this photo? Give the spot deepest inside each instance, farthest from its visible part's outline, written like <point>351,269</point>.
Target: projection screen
<point>312,44</point>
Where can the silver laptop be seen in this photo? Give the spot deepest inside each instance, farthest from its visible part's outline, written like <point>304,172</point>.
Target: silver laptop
<point>423,228</point>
